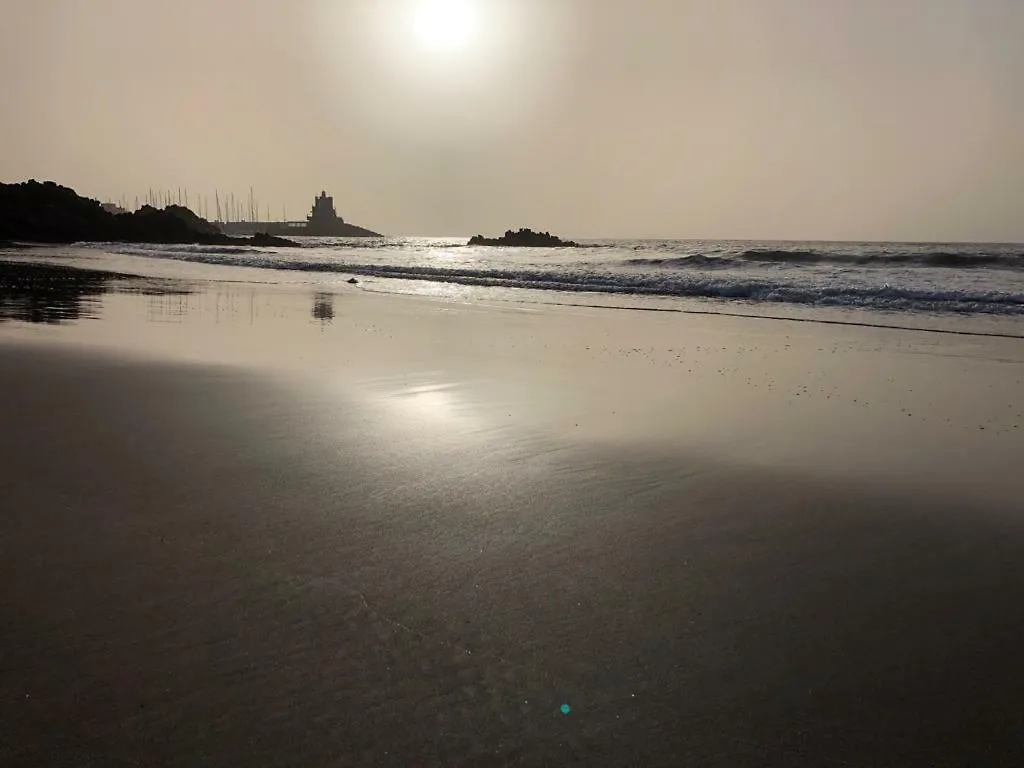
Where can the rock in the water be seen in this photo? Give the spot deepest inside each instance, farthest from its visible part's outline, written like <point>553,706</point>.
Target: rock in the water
<point>352,281</point>
<point>264,240</point>
<point>524,238</point>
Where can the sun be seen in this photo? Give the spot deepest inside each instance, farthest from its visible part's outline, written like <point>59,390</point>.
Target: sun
<point>445,26</point>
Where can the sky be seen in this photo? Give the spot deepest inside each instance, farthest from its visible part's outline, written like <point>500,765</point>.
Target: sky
<point>760,119</point>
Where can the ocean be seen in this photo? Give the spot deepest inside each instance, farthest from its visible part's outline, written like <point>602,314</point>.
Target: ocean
<point>948,286</point>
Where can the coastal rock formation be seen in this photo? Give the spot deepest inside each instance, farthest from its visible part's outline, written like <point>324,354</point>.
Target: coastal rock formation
<point>265,240</point>
<point>173,224</point>
<point>524,238</point>
<point>49,213</point>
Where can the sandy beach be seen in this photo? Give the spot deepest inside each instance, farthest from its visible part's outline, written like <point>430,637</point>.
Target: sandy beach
<point>267,524</point>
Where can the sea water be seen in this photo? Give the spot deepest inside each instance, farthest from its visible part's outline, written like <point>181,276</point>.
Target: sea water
<point>950,284</point>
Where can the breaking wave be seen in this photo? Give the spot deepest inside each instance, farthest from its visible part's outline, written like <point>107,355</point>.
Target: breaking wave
<point>709,285</point>
<point>933,259</point>
<point>1010,260</point>
<point>886,297</point>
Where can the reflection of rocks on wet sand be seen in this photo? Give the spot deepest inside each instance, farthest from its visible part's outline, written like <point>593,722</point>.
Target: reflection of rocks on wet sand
<point>51,293</point>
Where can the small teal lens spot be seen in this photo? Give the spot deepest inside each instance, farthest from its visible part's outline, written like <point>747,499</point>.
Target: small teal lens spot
<point>566,709</point>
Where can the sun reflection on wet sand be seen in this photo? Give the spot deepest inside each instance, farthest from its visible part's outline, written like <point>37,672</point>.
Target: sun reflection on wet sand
<point>768,392</point>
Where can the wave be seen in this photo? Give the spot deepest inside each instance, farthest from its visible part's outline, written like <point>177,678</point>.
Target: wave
<point>1009,260</point>
<point>706,286</point>
<point>162,250</point>
<point>933,259</point>
<point>1006,257</point>
<point>885,297</point>
<point>695,261</point>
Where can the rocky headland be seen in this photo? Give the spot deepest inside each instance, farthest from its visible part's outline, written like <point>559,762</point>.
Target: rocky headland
<point>45,212</point>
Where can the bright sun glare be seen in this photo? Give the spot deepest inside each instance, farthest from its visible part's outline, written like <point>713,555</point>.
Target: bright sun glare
<point>445,25</point>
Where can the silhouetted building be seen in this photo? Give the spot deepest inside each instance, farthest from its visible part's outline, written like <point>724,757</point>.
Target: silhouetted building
<point>323,221</point>
<point>324,211</point>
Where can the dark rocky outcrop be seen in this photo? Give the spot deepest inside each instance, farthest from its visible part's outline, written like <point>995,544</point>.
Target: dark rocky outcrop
<point>264,240</point>
<point>173,224</point>
<point>49,213</point>
<point>524,238</point>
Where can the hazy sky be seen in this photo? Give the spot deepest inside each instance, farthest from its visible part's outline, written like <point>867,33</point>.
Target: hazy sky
<point>873,119</point>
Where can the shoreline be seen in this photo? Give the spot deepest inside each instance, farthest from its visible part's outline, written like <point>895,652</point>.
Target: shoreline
<point>203,274</point>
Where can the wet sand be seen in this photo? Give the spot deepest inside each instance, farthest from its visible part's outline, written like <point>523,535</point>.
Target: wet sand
<point>244,527</point>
